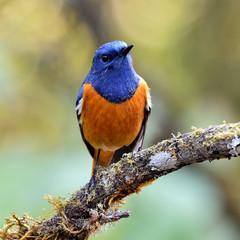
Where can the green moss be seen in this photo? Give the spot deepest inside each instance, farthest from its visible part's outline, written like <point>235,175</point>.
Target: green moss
<point>58,203</point>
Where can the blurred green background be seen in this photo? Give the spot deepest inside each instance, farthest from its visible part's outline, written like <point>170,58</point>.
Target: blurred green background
<point>189,53</point>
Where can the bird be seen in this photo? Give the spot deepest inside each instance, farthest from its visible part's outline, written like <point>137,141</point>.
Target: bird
<point>113,106</point>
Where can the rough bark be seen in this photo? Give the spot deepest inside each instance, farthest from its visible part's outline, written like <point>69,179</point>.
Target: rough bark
<point>88,210</point>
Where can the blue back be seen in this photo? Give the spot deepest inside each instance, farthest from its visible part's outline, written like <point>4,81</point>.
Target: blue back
<point>116,79</point>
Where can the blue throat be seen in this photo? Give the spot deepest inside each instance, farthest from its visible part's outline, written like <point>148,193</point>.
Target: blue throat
<point>117,86</point>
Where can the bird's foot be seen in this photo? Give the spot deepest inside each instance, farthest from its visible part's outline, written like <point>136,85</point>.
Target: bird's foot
<point>124,155</point>
<point>92,181</point>
<point>134,153</point>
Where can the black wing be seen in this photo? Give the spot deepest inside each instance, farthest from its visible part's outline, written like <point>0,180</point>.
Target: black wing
<point>78,111</point>
<point>89,146</point>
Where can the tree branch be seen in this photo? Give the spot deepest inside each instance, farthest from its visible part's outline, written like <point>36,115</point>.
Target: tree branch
<point>87,211</point>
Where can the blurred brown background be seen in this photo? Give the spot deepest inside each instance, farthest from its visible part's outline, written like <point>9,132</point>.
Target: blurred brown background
<point>189,53</point>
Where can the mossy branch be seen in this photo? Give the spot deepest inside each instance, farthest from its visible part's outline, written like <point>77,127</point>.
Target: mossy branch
<point>87,211</point>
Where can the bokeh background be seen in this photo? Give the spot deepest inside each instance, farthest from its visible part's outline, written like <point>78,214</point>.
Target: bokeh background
<point>189,53</point>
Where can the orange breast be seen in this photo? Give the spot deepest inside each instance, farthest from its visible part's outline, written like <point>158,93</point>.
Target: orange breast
<point>109,126</point>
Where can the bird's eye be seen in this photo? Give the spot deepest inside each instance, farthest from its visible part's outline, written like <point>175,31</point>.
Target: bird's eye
<point>104,58</point>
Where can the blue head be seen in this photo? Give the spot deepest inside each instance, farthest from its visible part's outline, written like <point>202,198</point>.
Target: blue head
<point>112,74</point>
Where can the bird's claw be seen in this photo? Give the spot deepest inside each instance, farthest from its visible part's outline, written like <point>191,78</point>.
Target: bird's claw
<point>124,155</point>
<point>92,181</point>
<point>134,153</point>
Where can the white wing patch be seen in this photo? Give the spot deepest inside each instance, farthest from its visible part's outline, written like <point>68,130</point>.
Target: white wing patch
<point>79,108</point>
<point>149,100</point>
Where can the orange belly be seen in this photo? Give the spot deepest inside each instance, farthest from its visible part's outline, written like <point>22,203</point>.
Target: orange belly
<point>110,126</point>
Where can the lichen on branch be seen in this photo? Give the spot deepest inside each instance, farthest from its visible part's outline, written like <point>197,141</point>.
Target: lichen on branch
<point>87,210</point>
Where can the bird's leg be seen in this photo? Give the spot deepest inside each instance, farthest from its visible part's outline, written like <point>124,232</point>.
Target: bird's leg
<point>92,180</point>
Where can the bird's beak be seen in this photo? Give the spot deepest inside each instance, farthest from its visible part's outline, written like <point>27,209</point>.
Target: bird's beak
<point>126,50</point>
